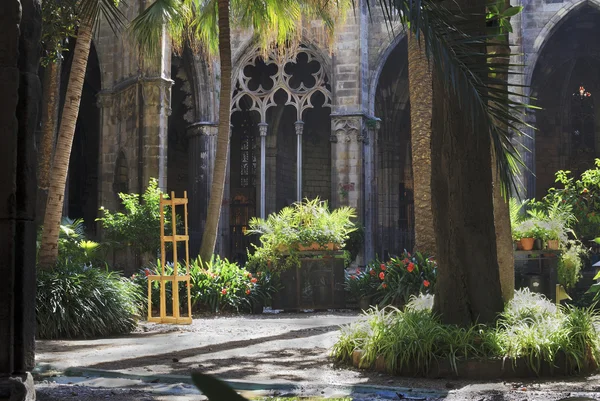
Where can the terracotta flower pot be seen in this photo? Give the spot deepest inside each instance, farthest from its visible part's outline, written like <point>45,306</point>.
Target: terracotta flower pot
<point>552,244</point>
<point>527,243</point>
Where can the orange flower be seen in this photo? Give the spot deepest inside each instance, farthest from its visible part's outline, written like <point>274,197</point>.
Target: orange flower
<point>353,277</point>
<point>426,283</point>
<point>406,260</point>
<point>382,267</point>
<point>247,292</point>
<point>381,275</point>
<point>254,280</point>
<point>249,274</point>
<point>372,272</point>
<point>357,271</point>
<point>224,291</point>
<point>384,286</point>
<point>410,267</point>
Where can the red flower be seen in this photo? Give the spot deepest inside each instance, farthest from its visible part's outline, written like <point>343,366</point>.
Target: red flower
<point>224,291</point>
<point>406,261</point>
<point>353,277</point>
<point>410,267</point>
<point>382,267</point>
<point>384,286</point>
<point>249,274</point>
<point>254,280</point>
<point>381,275</point>
<point>372,272</point>
<point>147,272</point>
<point>357,271</point>
<point>426,283</point>
<point>247,292</point>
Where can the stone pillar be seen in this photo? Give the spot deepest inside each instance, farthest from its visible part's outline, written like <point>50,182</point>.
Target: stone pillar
<point>299,125</point>
<point>202,146</point>
<point>156,105</point>
<point>263,172</point>
<point>347,176</point>
<point>20,29</point>
<point>370,188</point>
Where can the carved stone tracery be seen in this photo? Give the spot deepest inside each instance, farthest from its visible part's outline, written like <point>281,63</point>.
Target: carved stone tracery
<point>284,77</point>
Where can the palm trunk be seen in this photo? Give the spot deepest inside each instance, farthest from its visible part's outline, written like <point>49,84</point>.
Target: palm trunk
<point>419,78</point>
<point>209,237</point>
<point>468,287</point>
<point>50,103</point>
<point>504,241</point>
<point>56,190</point>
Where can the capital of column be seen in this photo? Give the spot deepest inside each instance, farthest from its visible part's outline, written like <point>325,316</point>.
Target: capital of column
<point>202,128</point>
<point>299,125</point>
<point>262,128</point>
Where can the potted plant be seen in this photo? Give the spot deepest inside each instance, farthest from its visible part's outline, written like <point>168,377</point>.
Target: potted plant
<point>540,233</point>
<point>527,229</point>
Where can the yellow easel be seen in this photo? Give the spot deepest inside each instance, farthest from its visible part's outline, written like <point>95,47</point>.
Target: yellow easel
<point>175,278</point>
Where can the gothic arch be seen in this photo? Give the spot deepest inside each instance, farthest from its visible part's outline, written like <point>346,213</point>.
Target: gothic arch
<point>548,31</point>
<point>382,58</point>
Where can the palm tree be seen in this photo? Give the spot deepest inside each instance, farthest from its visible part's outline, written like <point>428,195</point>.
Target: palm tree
<point>89,11</point>
<point>192,23</point>
<point>471,116</point>
<point>419,88</point>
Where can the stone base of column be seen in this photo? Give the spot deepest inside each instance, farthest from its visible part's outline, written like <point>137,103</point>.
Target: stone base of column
<point>17,388</point>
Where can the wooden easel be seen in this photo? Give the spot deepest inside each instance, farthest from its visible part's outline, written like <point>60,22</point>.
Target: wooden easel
<point>175,278</point>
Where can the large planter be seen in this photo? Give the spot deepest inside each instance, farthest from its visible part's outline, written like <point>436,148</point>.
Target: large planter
<point>312,247</point>
<point>317,284</point>
<point>527,243</point>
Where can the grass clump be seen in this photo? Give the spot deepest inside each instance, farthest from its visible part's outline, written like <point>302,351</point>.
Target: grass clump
<point>531,329</point>
<point>79,301</point>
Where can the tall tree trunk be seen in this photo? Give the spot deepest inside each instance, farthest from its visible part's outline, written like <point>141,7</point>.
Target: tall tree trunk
<point>468,287</point>
<point>209,237</point>
<point>50,103</point>
<point>504,243</point>
<point>56,190</point>
<point>419,87</point>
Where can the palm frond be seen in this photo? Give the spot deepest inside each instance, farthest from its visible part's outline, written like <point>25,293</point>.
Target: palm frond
<point>92,10</point>
<point>471,75</point>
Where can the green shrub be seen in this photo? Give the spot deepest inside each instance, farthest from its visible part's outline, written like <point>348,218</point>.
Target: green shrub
<point>78,301</point>
<point>215,286</point>
<point>531,328</point>
<point>138,226</point>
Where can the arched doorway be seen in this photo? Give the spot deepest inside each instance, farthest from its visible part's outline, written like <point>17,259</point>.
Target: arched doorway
<point>81,192</point>
<point>394,168</point>
<point>280,148</point>
<point>565,83</point>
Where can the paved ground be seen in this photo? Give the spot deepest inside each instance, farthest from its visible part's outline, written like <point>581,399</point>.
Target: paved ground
<point>288,350</point>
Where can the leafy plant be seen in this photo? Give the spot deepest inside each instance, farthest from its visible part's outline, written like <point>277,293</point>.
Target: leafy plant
<point>139,225</point>
<point>570,263</point>
<point>303,223</point>
<point>78,301</point>
<point>360,284</point>
<point>531,329</point>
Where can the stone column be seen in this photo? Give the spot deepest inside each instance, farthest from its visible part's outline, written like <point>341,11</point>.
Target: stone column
<point>156,93</point>
<point>20,29</point>
<point>370,190</point>
<point>347,175</point>
<point>201,153</point>
<point>263,173</point>
<point>299,125</point>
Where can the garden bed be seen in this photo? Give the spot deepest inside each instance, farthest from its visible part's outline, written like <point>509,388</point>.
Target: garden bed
<point>482,369</point>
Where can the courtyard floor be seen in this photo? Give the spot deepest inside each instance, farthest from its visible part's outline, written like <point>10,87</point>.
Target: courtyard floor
<point>270,354</point>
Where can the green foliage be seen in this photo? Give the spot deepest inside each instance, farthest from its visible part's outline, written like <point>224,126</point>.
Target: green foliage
<point>216,285</point>
<point>78,301</point>
<point>570,263</point>
<point>581,196</point>
<point>303,223</point>
<point>360,284</point>
<point>531,329</point>
<point>59,22</point>
<point>139,225</point>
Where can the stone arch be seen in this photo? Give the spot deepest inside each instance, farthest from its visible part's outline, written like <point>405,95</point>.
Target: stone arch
<point>381,60</point>
<point>548,31</point>
<point>567,57</point>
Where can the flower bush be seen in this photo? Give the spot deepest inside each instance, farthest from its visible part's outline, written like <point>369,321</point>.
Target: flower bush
<point>216,285</point>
